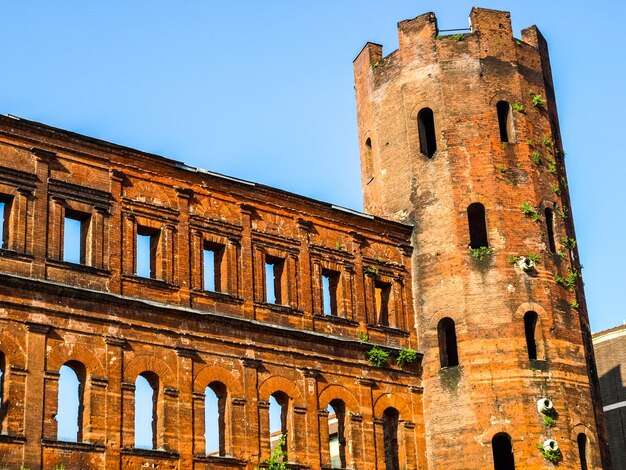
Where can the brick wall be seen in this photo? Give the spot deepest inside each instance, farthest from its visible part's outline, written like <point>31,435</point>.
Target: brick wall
<point>117,325</point>
<point>461,78</point>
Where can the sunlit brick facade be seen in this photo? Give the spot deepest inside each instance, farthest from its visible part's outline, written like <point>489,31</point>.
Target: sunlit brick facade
<point>302,292</point>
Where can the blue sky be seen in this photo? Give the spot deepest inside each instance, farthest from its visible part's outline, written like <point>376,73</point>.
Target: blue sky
<point>263,91</point>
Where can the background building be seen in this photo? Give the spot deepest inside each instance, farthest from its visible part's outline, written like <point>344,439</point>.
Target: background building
<point>610,348</point>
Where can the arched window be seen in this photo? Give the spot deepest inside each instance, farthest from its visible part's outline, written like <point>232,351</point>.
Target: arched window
<point>426,128</point>
<point>215,410</point>
<point>582,450</point>
<point>446,332</point>
<point>279,413</point>
<point>146,419</point>
<point>550,229</point>
<point>502,452</point>
<point>336,433</point>
<point>70,402</point>
<point>391,419</point>
<point>369,164</point>
<point>505,121</point>
<point>477,225</point>
<point>532,330</point>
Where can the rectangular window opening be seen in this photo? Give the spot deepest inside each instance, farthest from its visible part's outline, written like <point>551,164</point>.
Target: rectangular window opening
<point>330,288</point>
<point>5,213</point>
<point>382,294</point>
<point>147,244</point>
<point>273,280</point>
<point>213,255</point>
<point>75,233</point>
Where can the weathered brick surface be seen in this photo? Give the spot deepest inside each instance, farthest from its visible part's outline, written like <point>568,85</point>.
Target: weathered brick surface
<point>610,350</point>
<point>495,388</point>
<point>118,325</point>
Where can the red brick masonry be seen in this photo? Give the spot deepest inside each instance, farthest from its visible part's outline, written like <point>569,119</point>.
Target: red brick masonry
<point>393,281</point>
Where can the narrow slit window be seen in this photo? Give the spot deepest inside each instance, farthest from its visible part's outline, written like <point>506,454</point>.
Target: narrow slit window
<point>582,450</point>
<point>502,449</point>
<point>448,353</point>
<point>75,233</point>
<point>504,120</point>
<point>5,216</point>
<point>369,164</point>
<point>274,268</point>
<point>336,433</point>
<point>530,330</point>
<point>382,295</point>
<point>426,128</point>
<point>477,225</point>
<point>215,419</point>
<point>146,399</point>
<point>213,256</point>
<point>147,245</point>
<point>550,229</point>
<point>391,420</point>
<point>330,288</point>
<point>70,402</point>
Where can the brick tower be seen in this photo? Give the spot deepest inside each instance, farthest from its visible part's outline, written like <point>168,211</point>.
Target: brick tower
<point>459,136</point>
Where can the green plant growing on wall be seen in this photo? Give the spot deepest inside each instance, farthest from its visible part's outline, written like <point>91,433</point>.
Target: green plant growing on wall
<point>575,304</point>
<point>568,242</point>
<point>372,270</point>
<point>363,336</point>
<point>536,99</point>
<point>569,281</point>
<point>551,455</point>
<point>501,168</point>
<point>458,37</point>
<point>278,457</point>
<point>406,356</point>
<point>562,255</point>
<point>481,252</point>
<point>563,182</point>
<point>549,421</point>
<point>535,258</point>
<point>548,143</point>
<point>512,259</point>
<point>338,245</point>
<point>556,189</point>
<point>529,211</point>
<point>518,107</point>
<point>377,357</point>
<point>551,166</point>
<point>536,158</point>
<point>562,213</point>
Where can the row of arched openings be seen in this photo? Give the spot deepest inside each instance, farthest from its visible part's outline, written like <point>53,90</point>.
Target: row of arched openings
<point>217,416</point>
<point>70,406</point>
<point>428,138</point>
<point>448,347</point>
<point>477,223</point>
<point>504,459</point>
